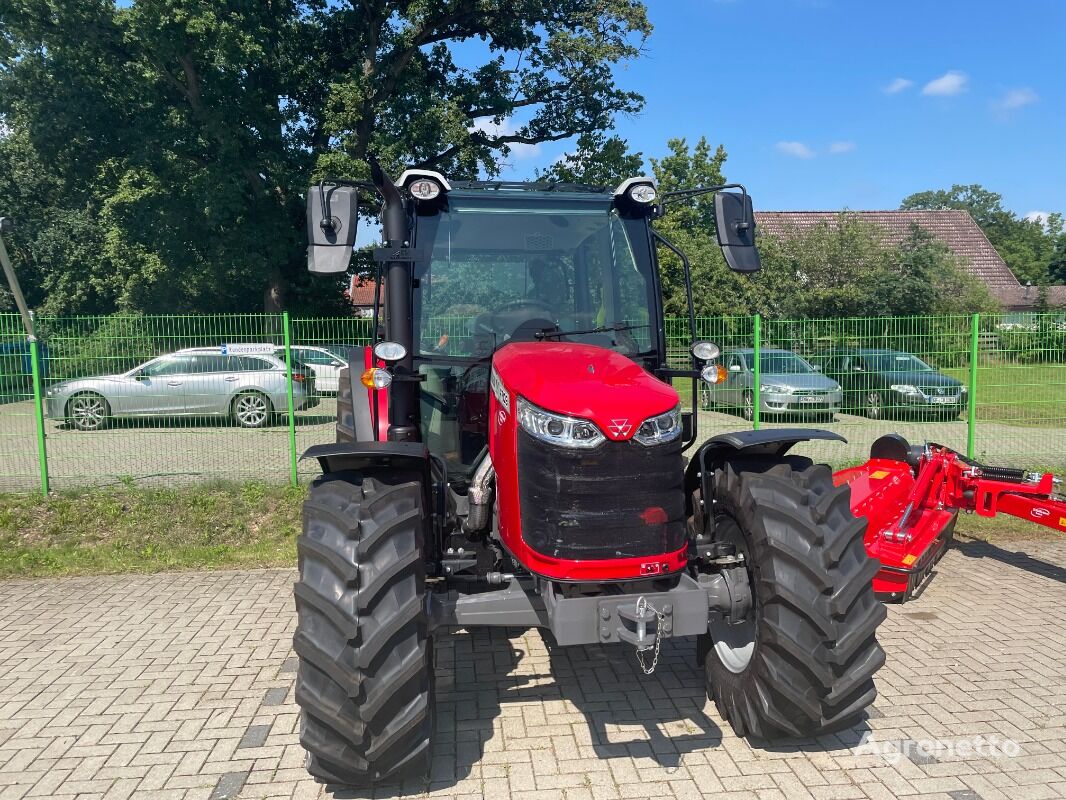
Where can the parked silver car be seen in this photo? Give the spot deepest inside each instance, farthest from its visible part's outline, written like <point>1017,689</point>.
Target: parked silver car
<point>788,385</point>
<point>197,382</point>
<point>326,365</point>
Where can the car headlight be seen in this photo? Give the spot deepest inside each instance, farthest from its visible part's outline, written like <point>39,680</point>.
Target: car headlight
<point>774,388</point>
<point>556,428</point>
<point>659,429</point>
<point>905,388</point>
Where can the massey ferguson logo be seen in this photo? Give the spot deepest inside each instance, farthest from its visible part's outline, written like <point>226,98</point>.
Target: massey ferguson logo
<point>619,427</point>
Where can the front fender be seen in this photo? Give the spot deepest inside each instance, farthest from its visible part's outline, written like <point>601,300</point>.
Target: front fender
<point>712,454</point>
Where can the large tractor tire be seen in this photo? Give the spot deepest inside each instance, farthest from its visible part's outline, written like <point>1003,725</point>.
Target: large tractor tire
<point>802,661</point>
<point>365,678</point>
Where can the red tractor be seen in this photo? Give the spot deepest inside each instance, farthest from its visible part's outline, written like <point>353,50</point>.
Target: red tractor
<point>513,453</point>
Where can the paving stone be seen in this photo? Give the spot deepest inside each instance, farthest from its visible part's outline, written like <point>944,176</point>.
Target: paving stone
<point>179,686</point>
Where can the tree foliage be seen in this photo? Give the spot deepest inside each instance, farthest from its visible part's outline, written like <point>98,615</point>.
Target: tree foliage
<point>843,269</point>
<point>598,160</point>
<point>1035,250</point>
<point>157,154</point>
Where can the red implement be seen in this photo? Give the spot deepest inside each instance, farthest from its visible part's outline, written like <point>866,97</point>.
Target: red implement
<point>911,497</point>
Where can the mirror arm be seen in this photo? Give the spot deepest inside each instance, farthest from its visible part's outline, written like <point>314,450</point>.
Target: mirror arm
<point>688,194</point>
<point>326,195</point>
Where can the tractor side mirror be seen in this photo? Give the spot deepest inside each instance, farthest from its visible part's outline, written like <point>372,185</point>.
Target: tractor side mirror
<point>735,222</point>
<point>332,215</point>
<point>734,367</point>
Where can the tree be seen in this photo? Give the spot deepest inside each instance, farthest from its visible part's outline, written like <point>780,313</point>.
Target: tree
<point>599,160</point>
<point>1027,246</point>
<point>185,131</point>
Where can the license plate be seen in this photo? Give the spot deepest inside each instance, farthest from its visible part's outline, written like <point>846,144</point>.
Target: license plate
<point>943,401</point>
<point>812,399</point>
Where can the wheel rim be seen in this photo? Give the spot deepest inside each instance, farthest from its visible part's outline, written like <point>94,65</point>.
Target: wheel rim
<point>749,407</point>
<point>734,644</point>
<point>251,409</point>
<point>88,411</point>
<point>873,405</point>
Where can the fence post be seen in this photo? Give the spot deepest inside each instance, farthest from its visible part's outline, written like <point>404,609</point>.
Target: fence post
<point>292,410</point>
<point>971,405</point>
<point>757,371</point>
<point>38,411</point>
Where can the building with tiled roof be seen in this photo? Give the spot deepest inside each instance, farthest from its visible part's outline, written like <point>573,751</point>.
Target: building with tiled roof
<point>361,295</point>
<point>956,229</point>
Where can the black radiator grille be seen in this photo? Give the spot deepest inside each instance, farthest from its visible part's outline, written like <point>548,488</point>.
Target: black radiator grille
<point>618,500</point>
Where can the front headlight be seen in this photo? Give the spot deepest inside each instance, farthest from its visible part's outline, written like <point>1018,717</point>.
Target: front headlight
<point>556,428</point>
<point>905,388</point>
<point>774,388</point>
<point>663,428</point>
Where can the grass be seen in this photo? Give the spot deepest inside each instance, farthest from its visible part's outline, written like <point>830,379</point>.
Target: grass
<point>1031,395</point>
<point>137,530</point>
<point>129,529</point>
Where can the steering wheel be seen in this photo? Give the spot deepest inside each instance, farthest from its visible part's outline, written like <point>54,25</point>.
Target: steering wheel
<point>525,315</point>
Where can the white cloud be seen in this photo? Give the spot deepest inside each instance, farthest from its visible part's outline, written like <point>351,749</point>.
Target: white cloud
<point>839,148</point>
<point>795,149</point>
<point>950,83</point>
<point>898,85</point>
<point>1015,99</point>
<point>507,128</point>
<point>1038,216</point>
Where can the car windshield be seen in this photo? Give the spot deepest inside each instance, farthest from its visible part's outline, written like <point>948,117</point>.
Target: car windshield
<point>897,362</point>
<point>779,364</point>
<point>502,268</point>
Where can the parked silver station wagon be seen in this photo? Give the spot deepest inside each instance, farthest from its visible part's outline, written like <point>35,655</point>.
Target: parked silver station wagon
<point>196,382</point>
<point>788,385</point>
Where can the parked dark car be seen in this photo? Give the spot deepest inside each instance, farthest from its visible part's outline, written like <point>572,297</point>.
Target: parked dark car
<point>880,383</point>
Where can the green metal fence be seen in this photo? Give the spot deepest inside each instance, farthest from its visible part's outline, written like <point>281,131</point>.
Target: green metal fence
<point>991,386</point>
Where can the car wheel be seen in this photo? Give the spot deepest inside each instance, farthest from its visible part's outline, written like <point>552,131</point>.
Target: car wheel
<point>705,399</point>
<point>252,409</point>
<point>874,406</point>
<point>747,410</point>
<point>88,411</point>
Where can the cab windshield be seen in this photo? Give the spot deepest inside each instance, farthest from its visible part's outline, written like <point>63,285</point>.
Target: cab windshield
<point>503,270</point>
<point>500,267</point>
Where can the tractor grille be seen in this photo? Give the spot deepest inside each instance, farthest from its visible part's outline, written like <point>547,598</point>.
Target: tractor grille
<point>619,500</point>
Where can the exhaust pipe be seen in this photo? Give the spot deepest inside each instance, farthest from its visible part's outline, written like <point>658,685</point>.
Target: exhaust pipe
<point>480,496</point>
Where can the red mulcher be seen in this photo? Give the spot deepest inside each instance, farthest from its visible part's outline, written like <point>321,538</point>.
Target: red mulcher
<point>911,497</point>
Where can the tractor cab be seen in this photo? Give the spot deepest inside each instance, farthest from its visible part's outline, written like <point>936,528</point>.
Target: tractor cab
<point>484,264</point>
<point>505,266</point>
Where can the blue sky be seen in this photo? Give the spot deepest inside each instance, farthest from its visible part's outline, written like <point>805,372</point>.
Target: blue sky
<point>827,104</point>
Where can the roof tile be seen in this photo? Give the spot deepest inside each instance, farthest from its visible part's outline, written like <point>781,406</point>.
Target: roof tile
<point>956,229</point>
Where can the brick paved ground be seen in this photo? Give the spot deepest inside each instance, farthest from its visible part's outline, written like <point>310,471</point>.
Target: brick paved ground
<point>180,686</point>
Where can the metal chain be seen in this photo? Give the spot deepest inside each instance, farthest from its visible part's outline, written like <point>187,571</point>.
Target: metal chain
<point>642,606</point>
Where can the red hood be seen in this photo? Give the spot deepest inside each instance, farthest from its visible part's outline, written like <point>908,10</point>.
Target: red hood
<point>584,381</point>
